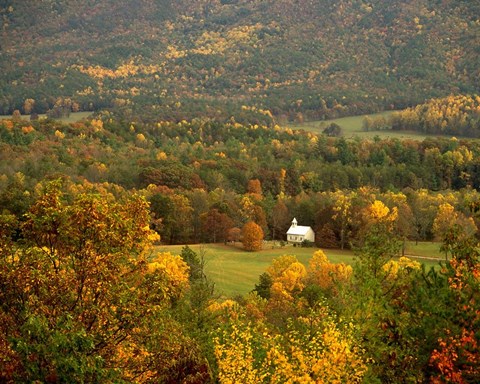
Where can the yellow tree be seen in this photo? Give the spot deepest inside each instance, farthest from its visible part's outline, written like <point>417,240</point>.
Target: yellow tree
<point>342,214</point>
<point>378,242</point>
<point>288,276</point>
<point>315,348</point>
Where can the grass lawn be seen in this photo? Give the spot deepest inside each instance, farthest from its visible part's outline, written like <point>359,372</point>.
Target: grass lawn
<point>426,249</point>
<point>236,271</point>
<point>352,126</point>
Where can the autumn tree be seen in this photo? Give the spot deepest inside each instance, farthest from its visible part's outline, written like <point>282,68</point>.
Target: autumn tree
<point>16,115</point>
<point>79,300</point>
<point>448,345</point>
<point>254,188</point>
<point>325,237</point>
<point>215,225</point>
<point>288,276</point>
<point>404,224</point>
<point>375,295</point>
<point>342,215</point>
<point>280,220</point>
<point>326,274</point>
<point>252,211</point>
<point>234,234</point>
<point>378,243</point>
<point>252,236</point>
<point>456,358</point>
<point>314,348</point>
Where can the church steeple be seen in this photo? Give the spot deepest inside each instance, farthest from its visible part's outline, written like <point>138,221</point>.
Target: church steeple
<point>294,222</point>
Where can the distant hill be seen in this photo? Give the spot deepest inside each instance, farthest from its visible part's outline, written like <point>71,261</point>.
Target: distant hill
<point>300,59</point>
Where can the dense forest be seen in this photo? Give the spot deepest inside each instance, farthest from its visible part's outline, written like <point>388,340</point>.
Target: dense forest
<point>189,143</point>
<point>183,59</point>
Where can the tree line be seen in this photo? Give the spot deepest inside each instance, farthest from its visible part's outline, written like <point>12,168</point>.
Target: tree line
<point>204,174</point>
<point>455,115</point>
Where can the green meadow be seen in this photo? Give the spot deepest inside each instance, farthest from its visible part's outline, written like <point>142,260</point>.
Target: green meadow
<point>352,127</point>
<point>235,271</point>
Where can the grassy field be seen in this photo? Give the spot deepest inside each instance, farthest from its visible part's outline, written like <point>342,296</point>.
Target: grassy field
<point>424,249</point>
<point>352,126</point>
<point>236,271</point>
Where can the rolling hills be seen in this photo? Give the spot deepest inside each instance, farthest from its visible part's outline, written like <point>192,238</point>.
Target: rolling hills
<point>305,59</point>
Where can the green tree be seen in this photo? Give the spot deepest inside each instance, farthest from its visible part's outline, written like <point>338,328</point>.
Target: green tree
<point>265,282</point>
<point>333,130</point>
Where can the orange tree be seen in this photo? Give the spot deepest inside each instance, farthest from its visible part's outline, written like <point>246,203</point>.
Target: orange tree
<point>252,236</point>
<point>79,301</point>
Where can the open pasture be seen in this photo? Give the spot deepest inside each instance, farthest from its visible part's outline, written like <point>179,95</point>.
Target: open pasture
<point>236,271</point>
<point>352,127</point>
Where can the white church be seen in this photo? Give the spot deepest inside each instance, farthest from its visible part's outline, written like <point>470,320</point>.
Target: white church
<point>296,234</point>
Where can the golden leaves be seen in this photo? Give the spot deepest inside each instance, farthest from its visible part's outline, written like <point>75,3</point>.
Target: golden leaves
<point>174,270</point>
<point>379,212</point>
<point>59,134</point>
<point>394,269</point>
<point>322,352</point>
<point>211,42</point>
<point>125,70</point>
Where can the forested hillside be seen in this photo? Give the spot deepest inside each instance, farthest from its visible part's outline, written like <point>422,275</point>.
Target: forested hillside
<point>181,59</point>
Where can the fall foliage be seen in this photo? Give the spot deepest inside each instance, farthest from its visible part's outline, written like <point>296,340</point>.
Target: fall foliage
<point>249,60</point>
<point>192,139</point>
<point>80,301</point>
<point>252,236</point>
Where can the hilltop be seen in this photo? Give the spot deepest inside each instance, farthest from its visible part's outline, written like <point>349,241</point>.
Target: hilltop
<point>300,59</point>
